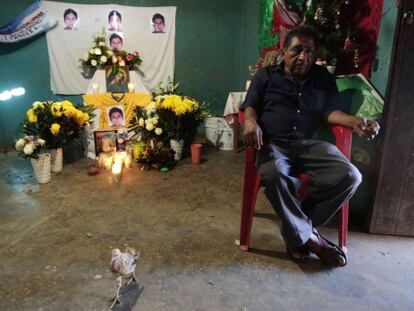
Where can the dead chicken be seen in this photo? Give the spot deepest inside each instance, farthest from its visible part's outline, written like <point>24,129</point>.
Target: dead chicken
<point>123,266</point>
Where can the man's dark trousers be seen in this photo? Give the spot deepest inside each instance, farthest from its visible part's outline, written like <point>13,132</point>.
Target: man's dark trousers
<point>334,180</point>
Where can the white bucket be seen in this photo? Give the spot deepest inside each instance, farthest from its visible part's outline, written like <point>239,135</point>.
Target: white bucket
<point>219,133</point>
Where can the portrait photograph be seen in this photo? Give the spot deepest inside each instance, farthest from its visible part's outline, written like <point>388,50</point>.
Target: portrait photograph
<point>116,41</point>
<point>114,21</point>
<point>105,141</point>
<point>116,116</point>
<point>117,82</point>
<point>70,19</point>
<point>158,23</point>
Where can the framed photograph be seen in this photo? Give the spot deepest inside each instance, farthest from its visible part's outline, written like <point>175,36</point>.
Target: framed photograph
<point>117,82</point>
<point>105,141</point>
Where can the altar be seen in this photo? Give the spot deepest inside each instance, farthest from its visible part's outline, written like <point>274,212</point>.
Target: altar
<point>113,111</point>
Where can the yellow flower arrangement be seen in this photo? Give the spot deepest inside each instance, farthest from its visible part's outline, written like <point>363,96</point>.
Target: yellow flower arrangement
<point>178,104</point>
<point>57,122</point>
<point>180,115</point>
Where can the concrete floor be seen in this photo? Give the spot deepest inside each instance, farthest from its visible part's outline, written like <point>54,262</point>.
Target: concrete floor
<point>56,241</point>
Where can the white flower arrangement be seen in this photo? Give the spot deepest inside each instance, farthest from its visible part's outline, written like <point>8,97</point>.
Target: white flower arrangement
<point>146,121</point>
<point>29,146</point>
<point>113,58</point>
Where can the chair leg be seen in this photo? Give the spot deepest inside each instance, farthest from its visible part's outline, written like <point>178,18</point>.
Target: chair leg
<point>249,199</point>
<point>343,227</point>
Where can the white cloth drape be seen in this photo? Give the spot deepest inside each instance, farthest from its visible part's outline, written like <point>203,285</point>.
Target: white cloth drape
<point>66,47</point>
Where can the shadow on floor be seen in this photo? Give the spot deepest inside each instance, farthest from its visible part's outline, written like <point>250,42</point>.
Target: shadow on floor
<point>129,297</point>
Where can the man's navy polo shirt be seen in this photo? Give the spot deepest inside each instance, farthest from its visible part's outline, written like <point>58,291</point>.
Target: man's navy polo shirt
<point>287,111</point>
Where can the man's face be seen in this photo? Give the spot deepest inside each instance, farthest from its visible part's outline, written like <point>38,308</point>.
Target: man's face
<point>116,118</point>
<point>70,20</point>
<point>114,22</point>
<point>158,25</point>
<point>299,56</point>
<point>116,44</point>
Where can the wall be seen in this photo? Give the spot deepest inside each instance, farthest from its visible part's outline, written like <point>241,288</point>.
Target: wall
<point>382,60</point>
<point>215,42</point>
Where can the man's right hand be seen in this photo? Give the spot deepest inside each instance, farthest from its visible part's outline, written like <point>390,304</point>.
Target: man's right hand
<point>252,134</point>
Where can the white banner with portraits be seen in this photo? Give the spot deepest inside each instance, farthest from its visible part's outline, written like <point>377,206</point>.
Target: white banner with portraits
<point>148,30</point>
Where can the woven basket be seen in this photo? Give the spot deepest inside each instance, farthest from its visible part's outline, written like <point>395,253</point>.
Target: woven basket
<point>56,160</point>
<point>41,167</point>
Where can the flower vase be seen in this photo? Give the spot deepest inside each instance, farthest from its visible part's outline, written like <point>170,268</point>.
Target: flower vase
<point>177,146</point>
<point>56,160</point>
<point>41,167</point>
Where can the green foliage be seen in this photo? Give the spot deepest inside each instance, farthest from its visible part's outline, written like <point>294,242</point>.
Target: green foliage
<point>157,156</point>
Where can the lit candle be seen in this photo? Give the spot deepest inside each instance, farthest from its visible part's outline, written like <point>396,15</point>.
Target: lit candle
<point>99,161</point>
<point>95,88</point>
<point>117,171</point>
<point>107,161</point>
<point>127,162</point>
<point>120,156</point>
<point>131,87</point>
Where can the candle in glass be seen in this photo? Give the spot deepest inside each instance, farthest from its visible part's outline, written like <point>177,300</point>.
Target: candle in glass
<point>107,161</point>
<point>117,171</point>
<point>127,162</point>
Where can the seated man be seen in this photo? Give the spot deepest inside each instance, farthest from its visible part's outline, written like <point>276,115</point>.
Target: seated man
<point>284,107</point>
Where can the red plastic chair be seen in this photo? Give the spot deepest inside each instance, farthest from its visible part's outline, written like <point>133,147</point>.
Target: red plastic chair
<point>343,141</point>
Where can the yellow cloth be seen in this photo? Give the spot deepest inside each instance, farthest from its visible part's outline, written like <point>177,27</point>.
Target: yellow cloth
<point>105,100</point>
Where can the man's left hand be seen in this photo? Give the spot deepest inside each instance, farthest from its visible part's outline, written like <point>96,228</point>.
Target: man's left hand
<point>366,128</point>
